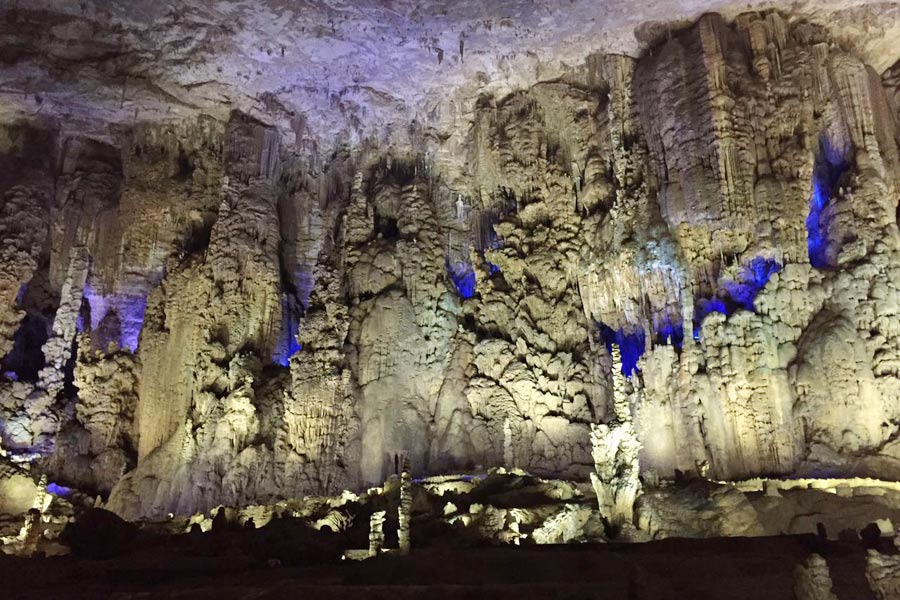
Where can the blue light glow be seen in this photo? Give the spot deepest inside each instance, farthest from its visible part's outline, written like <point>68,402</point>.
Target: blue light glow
<point>284,352</point>
<point>463,276</point>
<point>23,289</point>
<point>125,312</point>
<point>760,270</point>
<point>670,333</point>
<point>830,165</point>
<point>131,314</point>
<point>752,279</point>
<point>287,345</point>
<point>58,490</point>
<point>740,293</point>
<point>631,346</point>
<point>706,306</point>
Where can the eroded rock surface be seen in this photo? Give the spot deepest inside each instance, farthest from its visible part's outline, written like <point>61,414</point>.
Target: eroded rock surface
<point>205,309</point>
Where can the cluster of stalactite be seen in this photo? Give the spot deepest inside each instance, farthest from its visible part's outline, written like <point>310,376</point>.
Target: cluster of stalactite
<point>194,314</point>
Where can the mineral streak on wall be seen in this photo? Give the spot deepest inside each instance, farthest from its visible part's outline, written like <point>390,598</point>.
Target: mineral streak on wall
<point>208,309</point>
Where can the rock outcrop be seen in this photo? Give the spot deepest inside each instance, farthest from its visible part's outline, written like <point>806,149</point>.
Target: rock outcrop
<point>205,310</point>
<point>812,580</point>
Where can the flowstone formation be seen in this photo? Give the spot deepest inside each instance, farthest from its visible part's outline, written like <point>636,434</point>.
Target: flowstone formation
<point>616,478</point>
<point>647,268</point>
<point>778,187</point>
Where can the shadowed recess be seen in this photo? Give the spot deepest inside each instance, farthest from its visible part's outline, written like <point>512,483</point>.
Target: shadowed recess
<point>830,166</point>
<point>463,276</point>
<point>631,345</point>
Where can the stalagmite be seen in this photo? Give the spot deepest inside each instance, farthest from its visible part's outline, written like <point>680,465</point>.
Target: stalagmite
<point>702,469</point>
<point>508,457</point>
<point>616,476</point>
<point>812,580</point>
<point>376,532</point>
<point>31,530</point>
<point>42,499</point>
<point>404,511</point>
<point>283,295</point>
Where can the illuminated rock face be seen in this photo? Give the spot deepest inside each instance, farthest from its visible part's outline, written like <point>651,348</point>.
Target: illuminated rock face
<point>809,187</point>
<point>202,312</point>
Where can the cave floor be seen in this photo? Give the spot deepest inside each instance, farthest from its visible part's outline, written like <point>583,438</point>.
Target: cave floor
<point>694,569</point>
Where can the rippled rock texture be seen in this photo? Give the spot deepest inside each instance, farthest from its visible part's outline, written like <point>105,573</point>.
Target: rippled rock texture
<point>200,311</point>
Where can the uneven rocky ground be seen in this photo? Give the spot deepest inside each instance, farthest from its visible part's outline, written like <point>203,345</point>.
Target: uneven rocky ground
<point>236,565</point>
<point>502,536</point>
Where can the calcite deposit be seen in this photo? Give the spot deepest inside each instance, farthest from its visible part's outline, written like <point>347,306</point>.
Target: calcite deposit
<point>610,259</point>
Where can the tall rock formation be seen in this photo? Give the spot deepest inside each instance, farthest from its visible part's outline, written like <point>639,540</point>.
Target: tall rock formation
<point>210,309</point>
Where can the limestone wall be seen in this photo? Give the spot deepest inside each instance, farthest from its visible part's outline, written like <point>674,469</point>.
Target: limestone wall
<point>196,312</point>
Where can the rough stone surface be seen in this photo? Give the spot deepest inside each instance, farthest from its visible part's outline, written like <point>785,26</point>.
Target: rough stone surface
<point>330,74</point>
<point>883,574</point>
<point>227,299</point>
<point>812,580</point>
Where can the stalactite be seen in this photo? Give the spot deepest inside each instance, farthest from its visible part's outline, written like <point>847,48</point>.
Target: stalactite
<point>306,317</point>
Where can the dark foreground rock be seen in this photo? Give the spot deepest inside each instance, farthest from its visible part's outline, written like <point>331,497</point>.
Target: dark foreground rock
<point>99,533</point>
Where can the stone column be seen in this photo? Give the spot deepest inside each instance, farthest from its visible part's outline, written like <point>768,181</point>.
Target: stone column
<point>615,449</point>
<point>376,532</point>
<point>58,348</point>
<point>404,510</point>
<point>508,455</point>
<point>37,422</point>
<point>620,398</point>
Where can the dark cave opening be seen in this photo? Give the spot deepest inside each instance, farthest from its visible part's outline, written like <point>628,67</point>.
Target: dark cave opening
<point>669,332</point>
<point>386,226</point>
<point>69,388</point>
<point>185,167</point>
<point>198,238</point>
<point>26,358</point>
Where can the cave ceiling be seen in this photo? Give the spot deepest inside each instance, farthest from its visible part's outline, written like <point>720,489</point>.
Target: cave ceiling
<point>327,73</point>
